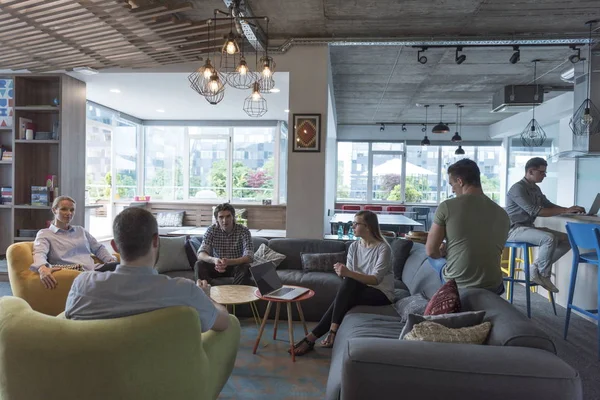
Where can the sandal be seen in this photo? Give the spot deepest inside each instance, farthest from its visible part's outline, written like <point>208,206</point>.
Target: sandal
<point>310,346</point>
<point>328,341</point>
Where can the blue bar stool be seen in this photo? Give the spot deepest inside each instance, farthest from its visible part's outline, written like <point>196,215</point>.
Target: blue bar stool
<point>511,277</point>
<point>586,236</point>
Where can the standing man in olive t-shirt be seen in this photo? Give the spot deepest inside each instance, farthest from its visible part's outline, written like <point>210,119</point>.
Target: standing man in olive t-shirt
<point>475,229</point>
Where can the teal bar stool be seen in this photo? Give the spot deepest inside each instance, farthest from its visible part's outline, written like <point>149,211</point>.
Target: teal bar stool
<point>511,277</point>
<point>585,236</point>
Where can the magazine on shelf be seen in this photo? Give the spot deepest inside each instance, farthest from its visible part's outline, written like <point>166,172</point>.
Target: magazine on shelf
<point>39,196</point>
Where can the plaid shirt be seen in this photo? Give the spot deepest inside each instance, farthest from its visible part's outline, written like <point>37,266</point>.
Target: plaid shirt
<point>220,244</point>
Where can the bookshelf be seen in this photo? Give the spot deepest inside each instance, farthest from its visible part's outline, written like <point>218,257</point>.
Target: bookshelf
<point>63,155</point>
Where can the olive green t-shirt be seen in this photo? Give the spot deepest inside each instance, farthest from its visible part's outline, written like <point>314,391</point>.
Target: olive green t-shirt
<point>476,232</point>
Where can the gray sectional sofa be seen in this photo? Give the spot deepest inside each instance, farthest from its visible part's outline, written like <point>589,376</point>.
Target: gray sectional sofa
<point>517,362</point>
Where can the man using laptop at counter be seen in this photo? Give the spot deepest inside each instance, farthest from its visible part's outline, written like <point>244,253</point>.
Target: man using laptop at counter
<point>524,203</point>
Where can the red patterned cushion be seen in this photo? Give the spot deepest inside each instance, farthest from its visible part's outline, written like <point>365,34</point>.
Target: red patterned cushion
<point>445,301</point>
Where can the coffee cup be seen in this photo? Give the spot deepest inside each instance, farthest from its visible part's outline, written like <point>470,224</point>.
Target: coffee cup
<point>29,134</point>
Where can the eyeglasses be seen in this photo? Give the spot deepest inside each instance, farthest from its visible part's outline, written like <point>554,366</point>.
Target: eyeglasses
<point>358,223</point>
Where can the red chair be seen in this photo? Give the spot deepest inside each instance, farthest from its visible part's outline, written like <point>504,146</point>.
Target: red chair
<point>374,208</point>
<point>395,209</point>
<point>351,207</point>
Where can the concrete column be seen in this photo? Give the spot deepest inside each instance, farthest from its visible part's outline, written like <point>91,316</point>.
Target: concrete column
<point>308,67</point>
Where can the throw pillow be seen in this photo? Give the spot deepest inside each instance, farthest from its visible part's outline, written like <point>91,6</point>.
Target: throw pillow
<point>265,254</point>
<point>321,262</point>
<point>192,245</point>
<point>400,252</point>
<point>172,255</point>
<point>430,331</point>
<point>174,218</point>
<point>454,321</point>
<point>445,301</point>
<point>415,304</point>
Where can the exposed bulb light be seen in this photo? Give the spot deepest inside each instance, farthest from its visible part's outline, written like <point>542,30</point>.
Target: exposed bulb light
<point>256,95</point>
<point>213,85</point>
<point>208,71</point>
<point>242,69</point>
<point>266,72</point>
<point>587,118</point>
<point>231,47</point>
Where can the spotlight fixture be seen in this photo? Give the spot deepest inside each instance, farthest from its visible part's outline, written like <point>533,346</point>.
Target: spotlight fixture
<point>457,138</point>
<point>459,59</point>
<point>404,128</point>
<point>382,128</point>
<point>460,151</point>
<point>424,128</point>
<point>575,58</point>
<point>420,58</point>
<point>425,141</point>
<point>441,127</point>
<point>516,56</point>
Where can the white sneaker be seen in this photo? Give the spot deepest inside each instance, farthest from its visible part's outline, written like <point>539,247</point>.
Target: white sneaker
<point>543,281</point>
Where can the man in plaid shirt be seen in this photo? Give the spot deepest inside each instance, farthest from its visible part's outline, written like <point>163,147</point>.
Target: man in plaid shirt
<point>226,249</point>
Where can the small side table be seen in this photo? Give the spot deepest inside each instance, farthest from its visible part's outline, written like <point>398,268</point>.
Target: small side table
<point>288,303</point>
<point>232,295</point>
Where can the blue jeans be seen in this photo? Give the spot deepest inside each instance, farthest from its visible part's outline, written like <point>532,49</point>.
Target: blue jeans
<point>438,264</point>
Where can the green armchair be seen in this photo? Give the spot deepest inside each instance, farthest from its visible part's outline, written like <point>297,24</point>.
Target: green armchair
<point>157,355</point>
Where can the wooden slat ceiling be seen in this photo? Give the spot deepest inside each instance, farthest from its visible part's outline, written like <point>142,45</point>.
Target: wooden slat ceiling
<point>49,35</point>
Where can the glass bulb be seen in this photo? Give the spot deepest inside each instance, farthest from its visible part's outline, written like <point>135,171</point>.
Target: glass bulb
<point>255,96</point>
<point>587,119</point>
<point>266,72</point>
<point>213,86</point>
<point>242,69</point>
<point>207,73</point>
<point>231,48</point>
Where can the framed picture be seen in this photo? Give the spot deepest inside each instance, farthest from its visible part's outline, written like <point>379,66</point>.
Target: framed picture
<point>307,133</point>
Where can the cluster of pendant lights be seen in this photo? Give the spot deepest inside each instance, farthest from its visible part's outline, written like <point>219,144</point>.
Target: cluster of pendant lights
<point>234,71</point>
<point>441,127</point>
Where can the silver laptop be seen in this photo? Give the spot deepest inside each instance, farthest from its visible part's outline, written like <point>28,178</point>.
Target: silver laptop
<point>593,211</point>
<point>269,284</point>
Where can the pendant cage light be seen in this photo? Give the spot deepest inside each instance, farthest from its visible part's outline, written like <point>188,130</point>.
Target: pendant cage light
<point>457,138</point>
<point>200,79</point>
<point>441,127</point>
<point>425,141</point>
<point>586,120</point>
<point>533,135</point>
<point>255,105</point>
<point>266,67</point>
<point>460,151</point>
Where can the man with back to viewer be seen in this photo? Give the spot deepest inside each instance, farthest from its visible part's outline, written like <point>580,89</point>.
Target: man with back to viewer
<point>226,249</point>
<point>524,203</point>
<point>135,287</point>
<point>475,229</point>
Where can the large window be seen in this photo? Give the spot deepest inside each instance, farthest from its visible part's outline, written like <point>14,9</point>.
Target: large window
<point>163,166</point>
<point>518,155</point>
<point>253,164</point>
<point>208,163</point>
<point>111,166</point>
<point>392,172</point>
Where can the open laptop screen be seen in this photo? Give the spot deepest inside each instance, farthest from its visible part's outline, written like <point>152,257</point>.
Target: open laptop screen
<point>266,278</point>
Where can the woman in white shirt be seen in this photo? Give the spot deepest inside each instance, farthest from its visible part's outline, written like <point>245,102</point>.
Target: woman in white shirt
<point>367,280</point>
<point>66,244</point>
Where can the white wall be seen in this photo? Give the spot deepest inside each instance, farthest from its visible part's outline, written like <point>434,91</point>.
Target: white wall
<point>308,67</point>
<point>330,158</point>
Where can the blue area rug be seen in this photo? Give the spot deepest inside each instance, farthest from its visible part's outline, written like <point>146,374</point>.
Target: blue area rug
<point>270,373</point>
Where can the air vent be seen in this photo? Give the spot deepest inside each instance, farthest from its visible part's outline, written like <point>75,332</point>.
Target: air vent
<point>517,98</point>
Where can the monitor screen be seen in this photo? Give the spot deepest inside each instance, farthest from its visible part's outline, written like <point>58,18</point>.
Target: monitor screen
<point>266,278</point>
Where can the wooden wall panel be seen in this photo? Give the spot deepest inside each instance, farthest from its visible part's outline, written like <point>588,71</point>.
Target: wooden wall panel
<point>197,214</point>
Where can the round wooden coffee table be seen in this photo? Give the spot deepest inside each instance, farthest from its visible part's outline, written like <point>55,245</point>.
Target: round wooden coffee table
<point>232,295</point>
<point>297,300</point>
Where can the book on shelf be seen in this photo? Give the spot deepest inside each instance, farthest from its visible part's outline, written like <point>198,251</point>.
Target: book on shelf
<point>39,196</point>
<point>6,195</point>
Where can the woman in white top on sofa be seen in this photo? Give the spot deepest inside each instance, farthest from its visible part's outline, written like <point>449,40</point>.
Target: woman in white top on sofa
<point>367,280</point>
<point>66,244</point>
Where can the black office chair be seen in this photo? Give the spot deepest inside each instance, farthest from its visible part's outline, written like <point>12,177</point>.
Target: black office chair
<point>422,214</point>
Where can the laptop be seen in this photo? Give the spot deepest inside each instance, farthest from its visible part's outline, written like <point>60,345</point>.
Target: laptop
<point>593,211</point>
<point>269,284</point>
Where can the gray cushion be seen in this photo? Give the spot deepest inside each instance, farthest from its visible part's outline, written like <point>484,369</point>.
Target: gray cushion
<point>172,255</point>
<point>400,252</point>
<point>322,262</point>
<point>292,248</point>
<point>454,321</point>
<point>414,304</point>
<point>171,218</point>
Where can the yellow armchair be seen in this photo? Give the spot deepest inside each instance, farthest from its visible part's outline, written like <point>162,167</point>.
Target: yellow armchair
<point>157,355</point>
<point>27,285</point>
